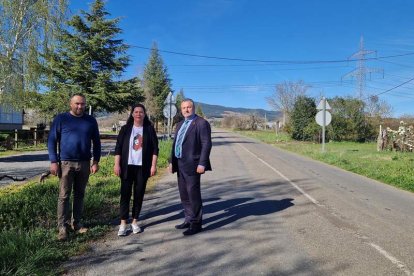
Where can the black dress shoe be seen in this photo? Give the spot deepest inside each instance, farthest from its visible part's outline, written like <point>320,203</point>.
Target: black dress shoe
<point>183,225</point>
<point>192,230</point>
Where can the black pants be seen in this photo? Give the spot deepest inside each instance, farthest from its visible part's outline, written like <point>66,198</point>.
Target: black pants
<point>190,194</point>
<point>134,182</point>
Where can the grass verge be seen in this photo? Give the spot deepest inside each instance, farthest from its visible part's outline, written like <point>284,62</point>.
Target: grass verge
<point>21,149</point>
<point>28,244</point>
<point>393,168</point>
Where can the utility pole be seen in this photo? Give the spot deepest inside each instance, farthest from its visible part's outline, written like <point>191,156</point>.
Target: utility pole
<point>361,71</point>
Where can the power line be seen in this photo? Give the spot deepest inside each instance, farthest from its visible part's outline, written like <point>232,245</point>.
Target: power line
<point>272,61</point>
<point>395,63</point>
<point>262,85</point>
<point>393,88</point>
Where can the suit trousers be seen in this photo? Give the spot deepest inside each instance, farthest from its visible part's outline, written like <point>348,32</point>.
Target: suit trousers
<point>72,175</point>
<point>134,183</point>
<point>190,194</point>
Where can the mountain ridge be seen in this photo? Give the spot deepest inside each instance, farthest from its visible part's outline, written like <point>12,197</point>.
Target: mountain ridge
<point>217,111</point>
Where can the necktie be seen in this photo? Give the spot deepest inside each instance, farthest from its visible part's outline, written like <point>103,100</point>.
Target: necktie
<point>180,138</point>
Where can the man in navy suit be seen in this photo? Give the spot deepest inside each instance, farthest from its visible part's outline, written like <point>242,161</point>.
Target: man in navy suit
<point>190,158</point>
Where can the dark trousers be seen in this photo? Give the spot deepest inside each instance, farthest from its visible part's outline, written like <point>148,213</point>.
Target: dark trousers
<point>72,175</point>
<point>190,194</point>
<point>134,182</point>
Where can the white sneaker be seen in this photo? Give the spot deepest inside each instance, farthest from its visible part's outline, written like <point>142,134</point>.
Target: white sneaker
<point>123,229</point>
<point>135,228</point>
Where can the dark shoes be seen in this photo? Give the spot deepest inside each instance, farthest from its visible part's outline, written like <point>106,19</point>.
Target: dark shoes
<point>183,225</point>
<point>192,230</point>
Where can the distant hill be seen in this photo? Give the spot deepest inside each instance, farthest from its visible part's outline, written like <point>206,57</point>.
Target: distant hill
<point>210,110</point>
<point>217,111</point>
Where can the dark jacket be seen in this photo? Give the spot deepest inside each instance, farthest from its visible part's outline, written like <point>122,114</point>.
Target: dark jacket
<point>196,147</point>
<point>149,148</point>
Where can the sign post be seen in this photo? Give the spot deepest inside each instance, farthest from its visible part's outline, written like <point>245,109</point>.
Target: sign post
<point>323,118</point>
<point>169,111</point>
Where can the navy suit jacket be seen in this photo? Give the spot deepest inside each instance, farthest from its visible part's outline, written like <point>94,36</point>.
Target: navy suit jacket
<point>196,147</point>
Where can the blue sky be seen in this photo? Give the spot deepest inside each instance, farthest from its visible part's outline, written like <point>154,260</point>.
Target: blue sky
<point>309,40</point>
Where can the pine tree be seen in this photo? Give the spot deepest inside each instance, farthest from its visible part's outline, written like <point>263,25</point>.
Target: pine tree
<point>88,60</point>
<point>156,85</point>
<point>199,111</point>
<point>303,114</point>
<point>178,100</point>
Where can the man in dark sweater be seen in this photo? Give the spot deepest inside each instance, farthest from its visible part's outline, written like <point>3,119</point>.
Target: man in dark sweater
<point>70,142</point>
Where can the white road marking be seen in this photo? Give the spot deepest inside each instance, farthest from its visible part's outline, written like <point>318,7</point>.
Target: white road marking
<point>284,177</point>
<point>384,253</point>
<point>400,265</point>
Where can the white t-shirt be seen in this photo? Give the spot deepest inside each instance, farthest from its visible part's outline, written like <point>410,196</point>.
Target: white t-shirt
<point>135,146</point>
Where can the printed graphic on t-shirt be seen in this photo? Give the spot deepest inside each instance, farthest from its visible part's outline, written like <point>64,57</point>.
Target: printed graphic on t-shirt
<point>137,142</point>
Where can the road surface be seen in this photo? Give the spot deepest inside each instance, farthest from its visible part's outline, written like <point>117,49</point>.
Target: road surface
<point>31,165</point>
<point>266,212</point>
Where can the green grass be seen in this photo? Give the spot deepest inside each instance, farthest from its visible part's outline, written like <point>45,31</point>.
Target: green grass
<point>22,148</point>
<point>393,168</point>
<point>28,244</point>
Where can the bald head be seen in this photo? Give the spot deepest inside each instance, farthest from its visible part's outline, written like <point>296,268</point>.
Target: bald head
<point>77,105</point>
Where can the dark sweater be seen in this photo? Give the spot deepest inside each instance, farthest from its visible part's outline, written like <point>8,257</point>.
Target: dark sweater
<point>73,136</point>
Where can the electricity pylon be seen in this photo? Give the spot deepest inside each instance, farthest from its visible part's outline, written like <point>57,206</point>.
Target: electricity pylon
<point>361,71</point>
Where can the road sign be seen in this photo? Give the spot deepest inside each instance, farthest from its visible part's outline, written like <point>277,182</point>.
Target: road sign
<point>170,99</point>
<point>319,118</point>
<point>320,105</point>
<point>323,118</point>
<point>169,110</point>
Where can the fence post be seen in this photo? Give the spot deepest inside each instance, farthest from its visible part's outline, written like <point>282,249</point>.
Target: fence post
<point>35,136</point>
<point>15,139</point>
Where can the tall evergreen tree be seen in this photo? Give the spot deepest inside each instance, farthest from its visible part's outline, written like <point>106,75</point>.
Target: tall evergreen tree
<point>178,100</point>
<point>199,110</point>
<point>89,60</point>
<point>303,114</point>
<point>156,84</point>
<point>133,91</point>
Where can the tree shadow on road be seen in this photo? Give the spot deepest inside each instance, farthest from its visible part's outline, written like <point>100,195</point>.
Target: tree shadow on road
<point>230,210</point>
<point>26,158</point>
<point>240,211</point>
<point>175,208</point>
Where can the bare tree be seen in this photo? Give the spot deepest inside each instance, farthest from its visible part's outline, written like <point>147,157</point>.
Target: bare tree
<point>242,121</point>
<point>377,108</point>
<point>285,96</point>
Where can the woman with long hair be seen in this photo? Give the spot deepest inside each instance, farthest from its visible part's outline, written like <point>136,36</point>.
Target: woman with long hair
<point>136,154</point>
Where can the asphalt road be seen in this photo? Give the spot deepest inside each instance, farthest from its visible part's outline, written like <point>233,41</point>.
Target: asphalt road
<point>23,166</point>
<point>31,165</point>
<point>266,212</point>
